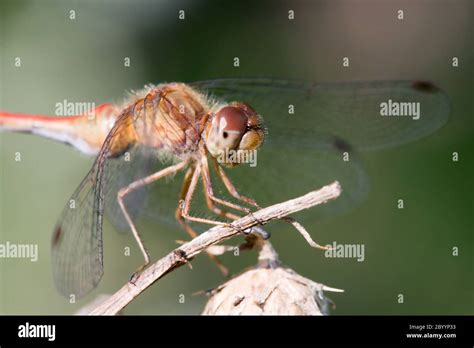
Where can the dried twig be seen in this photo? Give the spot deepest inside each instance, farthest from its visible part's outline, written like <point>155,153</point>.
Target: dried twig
<point>185,252</point>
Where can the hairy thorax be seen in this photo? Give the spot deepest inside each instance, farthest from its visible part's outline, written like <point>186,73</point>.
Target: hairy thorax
<point>168,117</point>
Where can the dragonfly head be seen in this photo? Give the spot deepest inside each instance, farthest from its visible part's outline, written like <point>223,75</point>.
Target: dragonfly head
<point>233,133</point>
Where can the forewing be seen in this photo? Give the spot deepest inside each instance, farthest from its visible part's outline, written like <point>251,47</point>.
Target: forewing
<point>77,244</point>
<point>138,162</point>
<point>290,165</point>
<point>314,133</point>
<point>77,240</point>
<point>350,111</point>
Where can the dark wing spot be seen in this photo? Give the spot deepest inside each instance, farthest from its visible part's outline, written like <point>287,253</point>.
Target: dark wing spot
<point>58,232</point>
<point>424,86</point>
<point>342,145</point>
<point>225,135</point>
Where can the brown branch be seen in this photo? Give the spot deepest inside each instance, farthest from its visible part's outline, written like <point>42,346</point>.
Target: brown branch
<point>217,234</point>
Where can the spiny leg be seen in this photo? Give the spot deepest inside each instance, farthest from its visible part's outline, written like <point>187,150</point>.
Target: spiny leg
<point>136,185</point>
<point>186,204</point>
<point>230,186</point>
<point>211,199</point>
<point>189,187</point>
<point>181,219</point>
<point>233,191</point>
<point>184,189</point>
<point>208,194</point>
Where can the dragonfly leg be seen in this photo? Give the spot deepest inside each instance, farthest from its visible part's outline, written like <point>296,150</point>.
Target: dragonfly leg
<point>211,199</point>
<point>135,185</point>
<point>187,191</point>
<point>186,204</point>
<point>230,186</point>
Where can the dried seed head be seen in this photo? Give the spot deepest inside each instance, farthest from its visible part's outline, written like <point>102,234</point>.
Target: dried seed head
<point>269,291</point>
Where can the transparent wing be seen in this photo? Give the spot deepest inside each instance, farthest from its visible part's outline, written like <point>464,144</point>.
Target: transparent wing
<point>77,240</point>
<point>138,162</point>
<point>304,164</point>
<point>319,142</point>
<point>350,111</point>
<point>281,173</point>
<point>77,244</point>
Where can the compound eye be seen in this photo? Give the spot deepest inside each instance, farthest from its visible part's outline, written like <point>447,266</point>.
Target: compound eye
<point>229,125</point>
<point>231,120</point>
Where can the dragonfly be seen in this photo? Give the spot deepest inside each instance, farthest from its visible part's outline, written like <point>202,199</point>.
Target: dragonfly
<point>305,134</point>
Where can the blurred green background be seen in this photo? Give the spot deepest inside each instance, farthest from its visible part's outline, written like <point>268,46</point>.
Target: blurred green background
<point>408,251</point>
